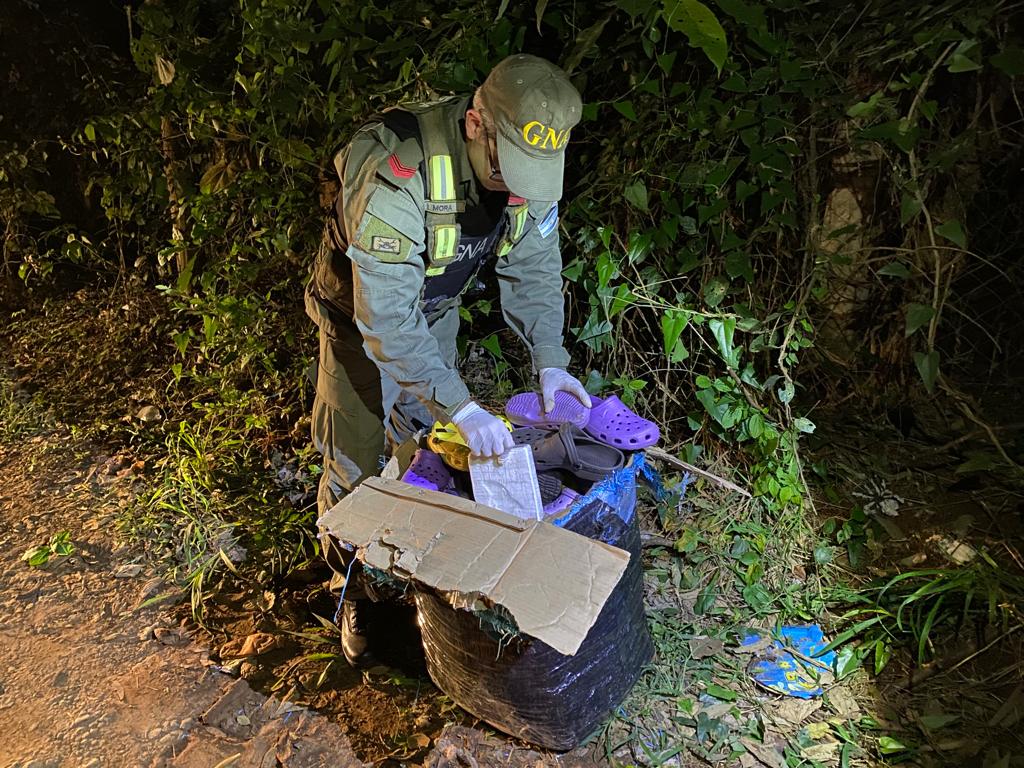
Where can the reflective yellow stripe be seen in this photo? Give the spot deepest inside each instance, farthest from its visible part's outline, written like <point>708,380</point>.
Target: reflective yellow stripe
<point>520,222</point>
<point>442,180</point>
<point>445,240</point>
<point>504,248</point>
<point>435,271</point>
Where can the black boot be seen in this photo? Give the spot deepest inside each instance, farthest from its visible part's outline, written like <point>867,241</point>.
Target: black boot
<point>354,640</point>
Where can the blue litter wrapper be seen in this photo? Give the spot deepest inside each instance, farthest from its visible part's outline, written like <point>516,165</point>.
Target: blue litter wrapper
<point>777,668</point>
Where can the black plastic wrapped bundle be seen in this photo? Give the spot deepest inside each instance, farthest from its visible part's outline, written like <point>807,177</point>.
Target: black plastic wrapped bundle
<point>524,687</point>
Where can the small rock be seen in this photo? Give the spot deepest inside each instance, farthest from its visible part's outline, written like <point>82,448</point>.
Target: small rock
<point>146,634</point>
<point>128,571</point>
<point>174,637</point>
<point>93,762</point>
<point>82,721</point>
<point>149,414</point>
<point>151,589</point>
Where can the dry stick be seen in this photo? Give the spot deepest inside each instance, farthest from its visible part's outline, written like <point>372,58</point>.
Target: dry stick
<point>978,433</point>
<point>668,458</point>
<point>912,160</point>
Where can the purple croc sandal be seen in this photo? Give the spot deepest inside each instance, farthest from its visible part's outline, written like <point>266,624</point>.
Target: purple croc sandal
<point>527,410</point>
<point>427,470</point>
<point>613,423</point>
<point>564,500</point>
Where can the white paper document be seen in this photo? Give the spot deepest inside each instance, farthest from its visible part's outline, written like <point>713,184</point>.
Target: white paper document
<point>508,482</point>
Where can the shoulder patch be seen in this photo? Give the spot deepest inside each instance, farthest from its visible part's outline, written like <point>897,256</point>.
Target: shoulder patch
<point>549,222</point>
<point>382,241</point>
<point>400,170</point>
<point>402,164</point>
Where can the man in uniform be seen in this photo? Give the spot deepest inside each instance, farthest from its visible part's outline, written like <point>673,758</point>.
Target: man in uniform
<point>429,192</point>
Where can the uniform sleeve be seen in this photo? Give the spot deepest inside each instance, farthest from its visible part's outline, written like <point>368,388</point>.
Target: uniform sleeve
<point>530,284</point>
<point>384,227</point>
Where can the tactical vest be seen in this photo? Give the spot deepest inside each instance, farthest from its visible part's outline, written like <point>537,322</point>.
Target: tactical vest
<point>452,259</point>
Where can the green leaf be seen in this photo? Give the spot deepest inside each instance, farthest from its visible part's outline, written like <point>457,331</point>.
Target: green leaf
<point>1009,61</point>
<point>786,392</point>
<point>501,9</point>
<point>865,108</point>
<point>951,230</point>
<point>719,411</point>
<point>672,324</point>
<point>750,14</point>
<point>887,745</point>
<point>883,652</point>
<point>625,108</point>
<point>937,721</point>
<point>895,269</point>
<point>928,367</point>
<point>723,331</point>
<point>918,315</point>
<point>90,132</point>
<point>714,291</point>
<point>847,661</point>
<point>493,345</point>
<point>720,693</point>
<point>978,461</point>
<point>910,206</point>
<point>36,556</point>
<point>636,195</point>
<point>958,62</point>
<point>737,264</point>
<point>539,9</point>
<point>701,27</point>
<point>804,425</point>
<point>585,41</point>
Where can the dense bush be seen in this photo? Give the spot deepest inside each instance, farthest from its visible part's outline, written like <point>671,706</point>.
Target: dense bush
<point>750,179</point>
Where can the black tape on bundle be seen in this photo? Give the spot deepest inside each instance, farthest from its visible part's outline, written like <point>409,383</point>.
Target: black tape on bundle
<point>521,685</point>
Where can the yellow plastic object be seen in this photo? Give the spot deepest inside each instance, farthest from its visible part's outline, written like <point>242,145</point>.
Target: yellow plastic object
<point>447,442</point>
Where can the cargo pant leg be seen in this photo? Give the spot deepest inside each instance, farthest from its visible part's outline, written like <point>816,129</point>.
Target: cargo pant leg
<point>348,431</point>
<point>352,432</point>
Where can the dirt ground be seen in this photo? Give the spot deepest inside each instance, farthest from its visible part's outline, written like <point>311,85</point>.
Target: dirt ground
<point>92,675</point>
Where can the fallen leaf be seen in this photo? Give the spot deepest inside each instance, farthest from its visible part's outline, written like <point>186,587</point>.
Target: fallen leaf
<point>253,645</point>
<point>764,642</point>
<point>818,731</point>
<point>843,702</point>
<point>764,753</point>
<point>821,753</point>
<point>702,647</point>
<point>795,711</point>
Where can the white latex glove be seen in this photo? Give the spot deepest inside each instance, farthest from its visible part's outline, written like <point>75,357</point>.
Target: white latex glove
<point>484,433</point>
<point>554,380</point>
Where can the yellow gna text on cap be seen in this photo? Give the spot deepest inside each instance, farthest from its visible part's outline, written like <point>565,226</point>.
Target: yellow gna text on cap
<point>537,134</point>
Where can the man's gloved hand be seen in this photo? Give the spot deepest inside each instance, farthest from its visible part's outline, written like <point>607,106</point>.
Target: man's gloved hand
<point>554,380</point>
<point>484,433</point>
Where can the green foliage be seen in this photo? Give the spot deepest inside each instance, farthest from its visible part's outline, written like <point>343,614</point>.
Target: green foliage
<point>59,545</point>
<point>697,170</point>
<point>913,607</point>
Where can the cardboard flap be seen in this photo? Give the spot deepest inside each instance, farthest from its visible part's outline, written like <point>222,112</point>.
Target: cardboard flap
<point>553,582</point>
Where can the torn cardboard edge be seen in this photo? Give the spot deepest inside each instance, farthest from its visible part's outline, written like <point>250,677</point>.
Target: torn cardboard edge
<point>553,582</point>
